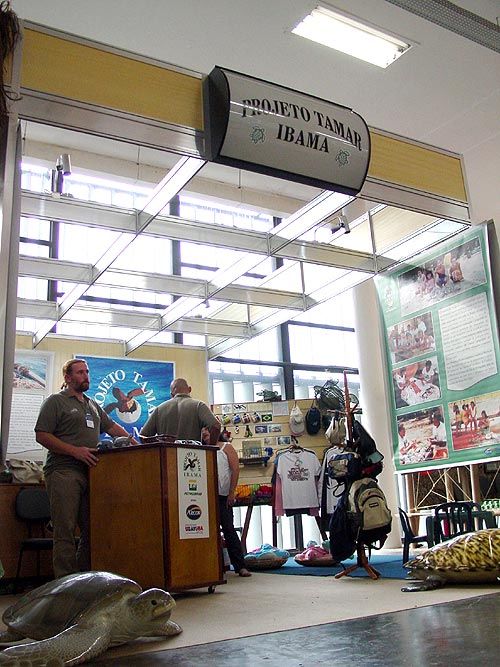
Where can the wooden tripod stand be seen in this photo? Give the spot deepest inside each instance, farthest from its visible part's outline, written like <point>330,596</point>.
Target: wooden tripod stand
<point>362,561</point>
<point>361,549</point>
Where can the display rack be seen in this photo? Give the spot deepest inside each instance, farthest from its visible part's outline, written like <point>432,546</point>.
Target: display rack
<point>362,559</point>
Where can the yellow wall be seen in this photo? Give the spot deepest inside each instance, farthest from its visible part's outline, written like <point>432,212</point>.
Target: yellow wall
<point>92,75</point>
<point>189,363</point>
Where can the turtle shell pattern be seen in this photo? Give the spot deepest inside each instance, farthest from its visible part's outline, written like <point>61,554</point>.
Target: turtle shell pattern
<point>470,558</point>
<point>53,607</point>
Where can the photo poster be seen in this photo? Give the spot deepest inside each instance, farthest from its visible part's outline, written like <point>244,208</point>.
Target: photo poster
<point>128,390</point>
<point>441,342</point>
<point>31,384</point>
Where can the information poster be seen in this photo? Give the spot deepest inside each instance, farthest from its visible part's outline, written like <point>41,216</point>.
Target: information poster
<point>31,384</point>
<point>128,390</point>
<point>193,493</point>
<point>442,348</point>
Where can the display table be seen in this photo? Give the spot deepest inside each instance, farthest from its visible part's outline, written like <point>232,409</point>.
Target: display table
<point>154,516</point>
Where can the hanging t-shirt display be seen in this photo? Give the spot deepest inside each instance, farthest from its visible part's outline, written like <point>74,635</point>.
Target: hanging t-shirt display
<point>330,489</point>
<point>298,470</point>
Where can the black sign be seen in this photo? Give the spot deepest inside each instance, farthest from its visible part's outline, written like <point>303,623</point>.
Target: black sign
<point>259,126</point>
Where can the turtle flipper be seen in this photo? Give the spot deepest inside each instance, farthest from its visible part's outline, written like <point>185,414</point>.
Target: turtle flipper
<point>166,629</point>
<point>10,636</point>
<point>73,646</point>
<point>416,585</point>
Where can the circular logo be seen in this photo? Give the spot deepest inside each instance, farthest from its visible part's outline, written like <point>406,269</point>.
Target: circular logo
<point>193,512</point>
<point>132,415</point>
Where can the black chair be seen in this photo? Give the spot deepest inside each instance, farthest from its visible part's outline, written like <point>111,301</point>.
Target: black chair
<point>32,507</point>
<point>452,519</point>
<point>409,536</point>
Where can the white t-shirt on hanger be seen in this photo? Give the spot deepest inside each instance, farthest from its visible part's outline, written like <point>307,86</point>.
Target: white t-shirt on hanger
<point>298,470</point>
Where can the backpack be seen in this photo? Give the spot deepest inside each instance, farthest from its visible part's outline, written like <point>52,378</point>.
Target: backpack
<point>313,420</point>
<point>329,396</point>
<point>342,532</point>
<point>367,507</point>
<point>297,424</point>
<point>364,442</point>
<point>344,467</point>
<point>371,458</point>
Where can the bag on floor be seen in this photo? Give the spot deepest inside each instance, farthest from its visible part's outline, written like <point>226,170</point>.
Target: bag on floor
<point>368,510</point>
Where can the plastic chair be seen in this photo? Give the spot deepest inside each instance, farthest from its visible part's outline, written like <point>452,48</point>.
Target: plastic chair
<point>409,536</point>
<point>452,519</point>
<point>32,506</point>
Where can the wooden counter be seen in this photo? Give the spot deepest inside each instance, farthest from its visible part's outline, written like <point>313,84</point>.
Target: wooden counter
<point>139,526</point>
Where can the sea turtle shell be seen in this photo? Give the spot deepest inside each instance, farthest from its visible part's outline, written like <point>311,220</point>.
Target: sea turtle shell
<point>50,609</point>
<point>470,558</point>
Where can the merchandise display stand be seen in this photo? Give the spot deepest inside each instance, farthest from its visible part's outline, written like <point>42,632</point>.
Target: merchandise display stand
<point>362,559</point>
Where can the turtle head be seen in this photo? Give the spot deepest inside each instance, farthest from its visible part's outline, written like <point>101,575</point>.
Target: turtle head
<point>153,604</point>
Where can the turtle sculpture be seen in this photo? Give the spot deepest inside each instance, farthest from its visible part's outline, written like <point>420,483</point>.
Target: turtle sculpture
<point>77,617</point>
<point>470,558</point>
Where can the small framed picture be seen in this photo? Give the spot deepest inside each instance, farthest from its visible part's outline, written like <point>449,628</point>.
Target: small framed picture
<point>261,428</point>
<point>283,440</point>
<point>274,428</point>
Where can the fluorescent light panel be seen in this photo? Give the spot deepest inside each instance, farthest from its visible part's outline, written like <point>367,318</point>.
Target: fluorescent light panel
<point>349,36</point>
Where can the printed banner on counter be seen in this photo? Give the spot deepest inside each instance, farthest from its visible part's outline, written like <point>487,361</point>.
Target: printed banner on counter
<point>443,356</point>
<point>128,390</point>
<point>193,493</point>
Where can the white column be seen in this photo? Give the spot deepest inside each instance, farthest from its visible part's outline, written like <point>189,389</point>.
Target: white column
<point>375,402</point>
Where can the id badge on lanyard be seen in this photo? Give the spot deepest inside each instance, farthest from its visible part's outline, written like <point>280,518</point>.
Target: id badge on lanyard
<point>89,419</point>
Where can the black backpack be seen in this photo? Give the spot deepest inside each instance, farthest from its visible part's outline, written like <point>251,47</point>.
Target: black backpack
<point>313,420</point>
<point>371,458</point>
<point>342,531</point>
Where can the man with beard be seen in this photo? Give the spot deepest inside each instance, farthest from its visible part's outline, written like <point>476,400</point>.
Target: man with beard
<point>69,425</point>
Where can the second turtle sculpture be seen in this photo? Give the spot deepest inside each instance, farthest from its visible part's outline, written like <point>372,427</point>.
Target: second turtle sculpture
<point>472,558</point>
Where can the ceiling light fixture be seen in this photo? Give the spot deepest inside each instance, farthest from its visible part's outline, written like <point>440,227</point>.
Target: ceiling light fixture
<point>342,33</point>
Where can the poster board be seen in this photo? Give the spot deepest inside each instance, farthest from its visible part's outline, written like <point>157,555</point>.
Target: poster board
<point>128,390</point>
<point>442,349</point>
<point>31,384</point>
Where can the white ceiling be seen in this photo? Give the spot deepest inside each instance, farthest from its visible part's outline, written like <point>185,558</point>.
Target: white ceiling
<point>445,91</point>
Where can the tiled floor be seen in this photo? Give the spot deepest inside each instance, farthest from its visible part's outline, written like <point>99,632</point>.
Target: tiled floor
<point>464,632</point>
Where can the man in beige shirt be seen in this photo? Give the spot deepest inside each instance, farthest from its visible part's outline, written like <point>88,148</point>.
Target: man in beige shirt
<point>182,416</point>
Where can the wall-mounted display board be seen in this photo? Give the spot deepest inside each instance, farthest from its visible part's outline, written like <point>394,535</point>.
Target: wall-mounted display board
<point>442,349</point>
<point>31,384</point>
<point>259,430</point>
<point>128,390</point>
